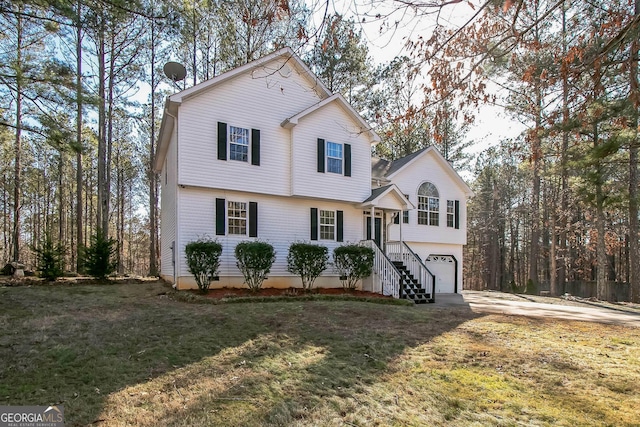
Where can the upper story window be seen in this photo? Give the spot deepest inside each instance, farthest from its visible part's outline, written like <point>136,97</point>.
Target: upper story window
<point>451,213</point>
<point>327,225</point>
<point>428,204</point>
<point>237,217</point>
<point>334,157</point>
<point>238,144</point>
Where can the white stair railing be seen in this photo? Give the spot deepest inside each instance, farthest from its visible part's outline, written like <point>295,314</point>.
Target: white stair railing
<point>400,251</point>
<point>386,280</point>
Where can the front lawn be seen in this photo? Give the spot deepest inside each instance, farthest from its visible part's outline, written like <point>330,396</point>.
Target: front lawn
<point>121,355</point>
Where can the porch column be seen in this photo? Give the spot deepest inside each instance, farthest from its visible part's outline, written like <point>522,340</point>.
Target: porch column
<point>401,245</point>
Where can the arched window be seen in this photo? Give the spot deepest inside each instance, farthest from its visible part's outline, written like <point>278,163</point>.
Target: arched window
<point>428,204</point>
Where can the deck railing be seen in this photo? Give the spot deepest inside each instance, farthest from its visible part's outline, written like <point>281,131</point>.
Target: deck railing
<point>386,277</point>
<point>400,251</point>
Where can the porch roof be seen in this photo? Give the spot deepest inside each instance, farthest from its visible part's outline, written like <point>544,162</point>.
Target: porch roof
<point>388,197</point>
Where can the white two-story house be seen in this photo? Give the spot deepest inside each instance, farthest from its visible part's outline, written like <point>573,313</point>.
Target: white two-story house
<point>267,152</point>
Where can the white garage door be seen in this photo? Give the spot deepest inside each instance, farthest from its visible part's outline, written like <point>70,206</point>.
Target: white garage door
<point>444,268</point>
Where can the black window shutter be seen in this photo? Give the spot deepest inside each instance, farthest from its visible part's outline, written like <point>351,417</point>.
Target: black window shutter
<point>255,147</point>
<point>314,223</point>
<point>347,159</point>
<point>221,210</point>
<point>253,219</point>
<point>222,141</point>
<point>456,219</point>
<point>320,155</point>
<point>339,226</point>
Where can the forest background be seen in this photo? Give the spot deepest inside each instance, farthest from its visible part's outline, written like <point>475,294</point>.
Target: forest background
<point>555,206</point>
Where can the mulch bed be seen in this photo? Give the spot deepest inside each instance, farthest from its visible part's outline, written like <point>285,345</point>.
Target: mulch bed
<point>220,293</point>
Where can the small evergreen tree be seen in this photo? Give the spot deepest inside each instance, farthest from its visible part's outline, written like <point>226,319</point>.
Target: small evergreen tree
<point>353,262</point>
<point>307,261</point>
<point>99,256</point>
<point>203,260</point>
<point>50,259</point>
<point>254,259</point>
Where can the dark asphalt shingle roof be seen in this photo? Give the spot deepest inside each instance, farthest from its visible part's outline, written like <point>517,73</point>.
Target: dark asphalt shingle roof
<point>381,168</point>
<point>376,192</point>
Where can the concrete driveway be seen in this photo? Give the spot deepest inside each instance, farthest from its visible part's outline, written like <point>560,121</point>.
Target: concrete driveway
<point>502,303</point>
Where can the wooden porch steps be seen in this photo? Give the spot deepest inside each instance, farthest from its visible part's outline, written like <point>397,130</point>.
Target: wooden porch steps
<point>410,288</point>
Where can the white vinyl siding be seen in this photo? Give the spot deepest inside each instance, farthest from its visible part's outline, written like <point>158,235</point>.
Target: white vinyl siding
<point>277,228</point>
<point>168,211</point>
<point>307,182</point>
<point>429,168</point>
<point>198,119</point>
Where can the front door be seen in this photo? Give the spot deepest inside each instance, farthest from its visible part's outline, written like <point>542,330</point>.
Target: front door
<point>378,231</point>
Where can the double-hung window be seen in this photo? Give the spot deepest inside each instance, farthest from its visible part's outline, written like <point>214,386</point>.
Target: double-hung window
<point>238,144</point>
<point>334,157</point>
<point>451,213</point>
<point>428,204</point>
<point>237,217</point>
<point>327,225</point>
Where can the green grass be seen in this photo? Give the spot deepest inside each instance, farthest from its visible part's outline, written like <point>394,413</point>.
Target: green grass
<point>120,355</point>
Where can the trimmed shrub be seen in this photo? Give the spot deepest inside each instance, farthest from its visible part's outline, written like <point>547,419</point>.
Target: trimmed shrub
<point>254,259</point>
<point>353,262</point>
<point>307,261</point>
<point>99,256</point>
<point>50,259</point>
<point>203,261</point>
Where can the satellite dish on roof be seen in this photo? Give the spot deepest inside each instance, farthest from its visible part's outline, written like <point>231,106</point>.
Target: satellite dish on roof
<point>175,71</point>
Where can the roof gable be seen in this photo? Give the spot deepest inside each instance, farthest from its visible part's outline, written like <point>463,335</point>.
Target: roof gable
<point>362,125</point>
<point>262,67</point>
<point>388,197</point>
<point>283,61</point>
<point>384,169</point>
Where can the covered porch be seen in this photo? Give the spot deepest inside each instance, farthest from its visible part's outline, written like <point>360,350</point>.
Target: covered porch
<point>398,271</point>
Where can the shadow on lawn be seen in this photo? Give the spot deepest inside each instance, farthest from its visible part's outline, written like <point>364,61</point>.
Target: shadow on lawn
<point>124,354</point>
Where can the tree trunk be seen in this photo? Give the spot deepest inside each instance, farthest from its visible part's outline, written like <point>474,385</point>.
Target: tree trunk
<point>634,245</point>
<point>564,170</point>
<point>109,144</point>
<point>17,172</point>
<point>601,253</point>
<point>536,153</point>
<point>79,217</point>
<point>62,209</point>
<point>153,178</point>
<point>103,191</point>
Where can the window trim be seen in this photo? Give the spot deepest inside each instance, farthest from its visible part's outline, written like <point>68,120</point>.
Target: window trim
<point>329,157</point>
<point>324,227</point>
<point>246,147</point>
<point>240,218</point>
<point>451,213</point>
